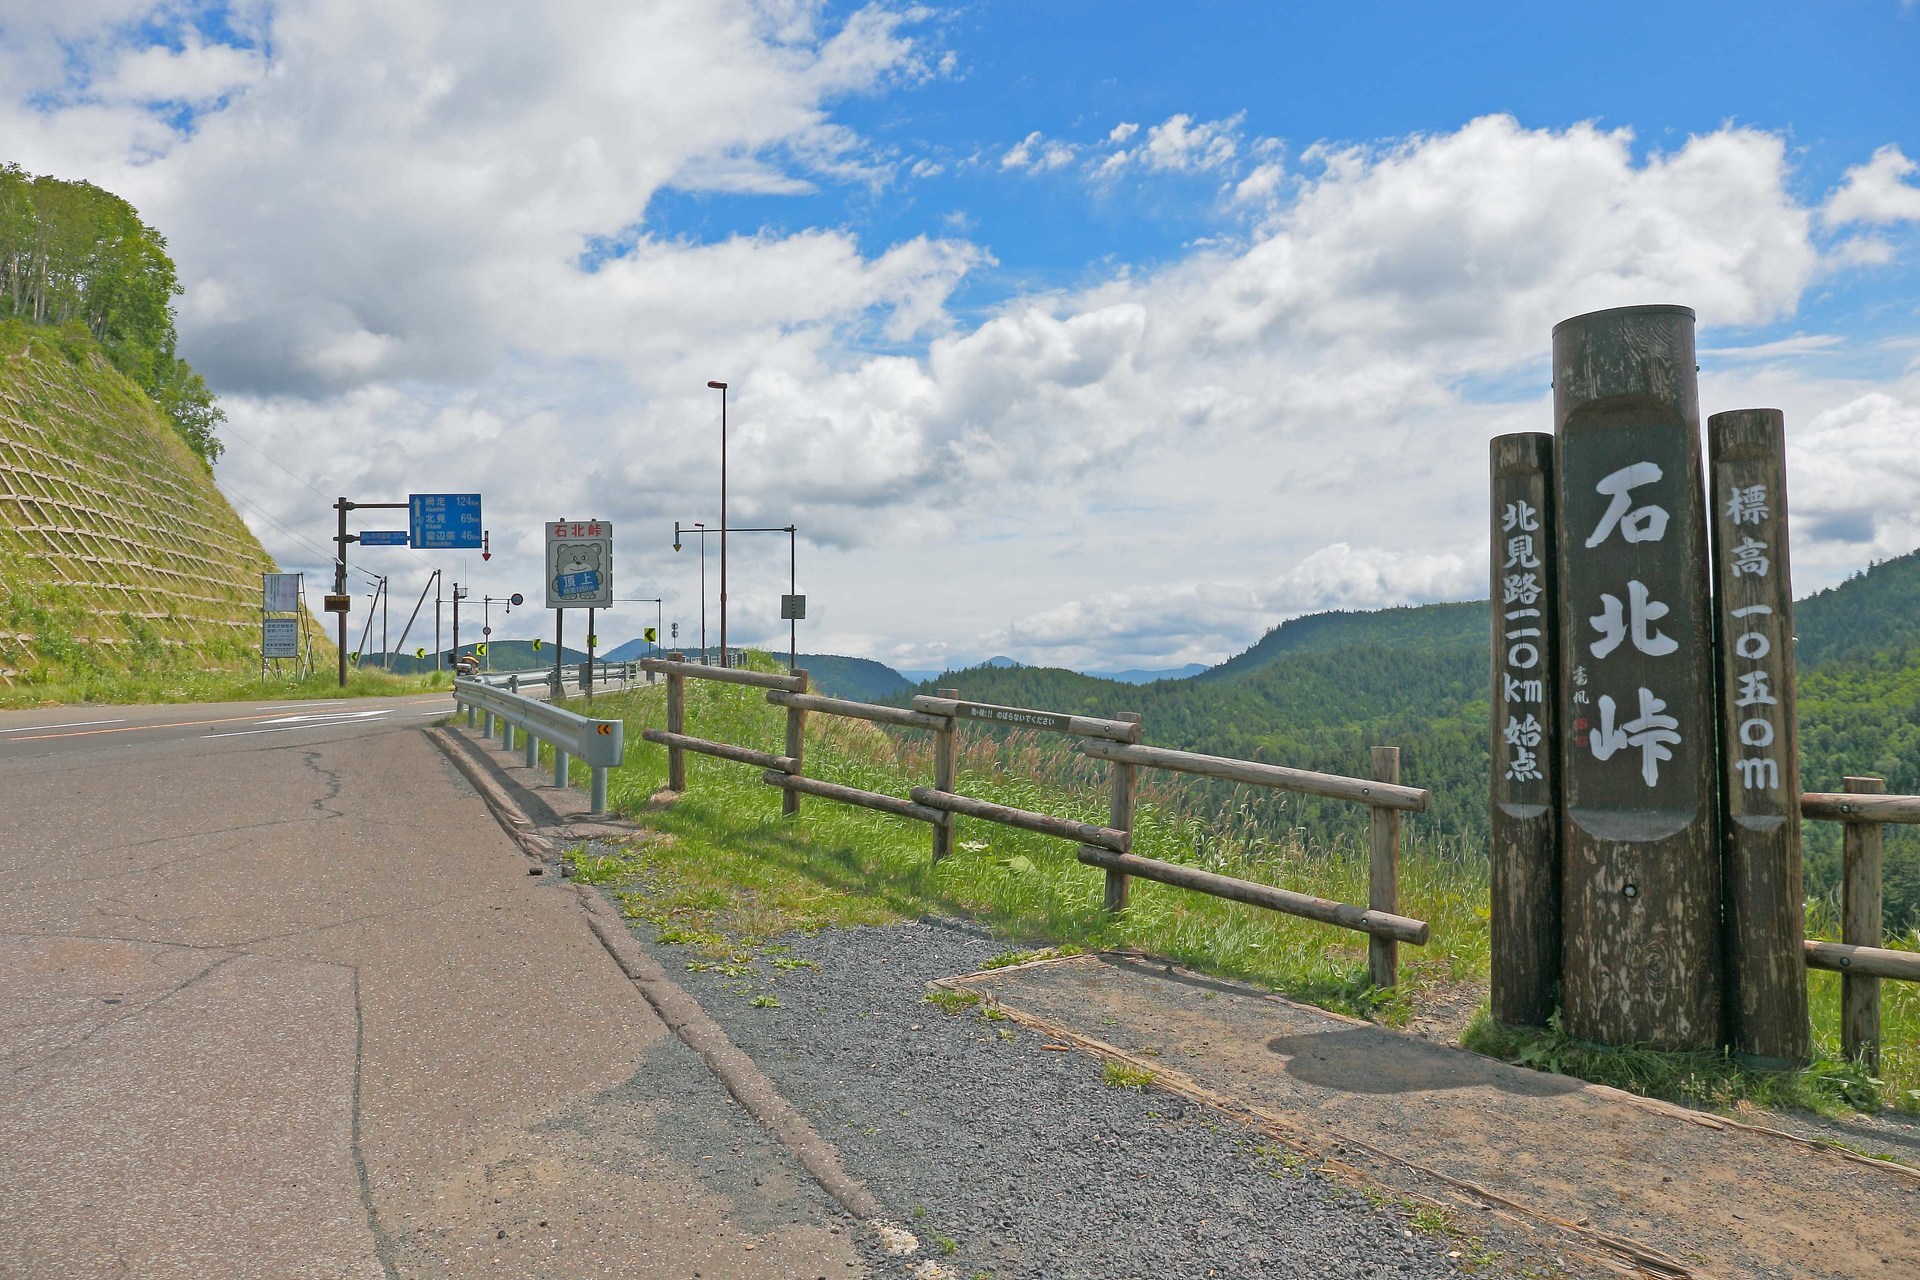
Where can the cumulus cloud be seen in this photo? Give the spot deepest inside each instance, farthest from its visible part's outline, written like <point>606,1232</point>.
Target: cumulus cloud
<point>1877,193</point>
<point>419,255</point>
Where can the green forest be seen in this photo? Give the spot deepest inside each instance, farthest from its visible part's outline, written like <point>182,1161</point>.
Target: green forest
<point>73,254</point>
<point>1317,691</point>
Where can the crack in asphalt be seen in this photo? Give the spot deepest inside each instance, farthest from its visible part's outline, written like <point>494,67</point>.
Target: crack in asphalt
<point>126,1015</point>
<point>383,1245</point>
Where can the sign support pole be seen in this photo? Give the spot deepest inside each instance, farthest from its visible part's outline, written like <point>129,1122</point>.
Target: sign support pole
<point>559,650</point>
<point>340,583</point>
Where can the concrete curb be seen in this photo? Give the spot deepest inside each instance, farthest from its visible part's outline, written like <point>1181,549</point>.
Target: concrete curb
<point>744,1080</point>
<point>678,1010</point>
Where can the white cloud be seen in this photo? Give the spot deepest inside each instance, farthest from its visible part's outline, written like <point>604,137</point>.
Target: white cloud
<point>1877,192</point>
<point>382,234</point>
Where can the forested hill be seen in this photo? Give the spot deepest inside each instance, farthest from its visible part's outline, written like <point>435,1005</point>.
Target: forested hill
<point>72,254</point>
<point>1325,688</point>
<point>1426,627</point>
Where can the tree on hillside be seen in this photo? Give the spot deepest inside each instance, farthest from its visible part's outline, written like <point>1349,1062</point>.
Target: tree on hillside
<point>71,253</point>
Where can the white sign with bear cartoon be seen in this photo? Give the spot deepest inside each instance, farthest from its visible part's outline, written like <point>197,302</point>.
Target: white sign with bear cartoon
<point>579,564</point>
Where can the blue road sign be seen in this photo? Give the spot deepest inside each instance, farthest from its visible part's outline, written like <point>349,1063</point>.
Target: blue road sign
<point>383,538</point>
<point>445,521</point>
<point>577,584</point>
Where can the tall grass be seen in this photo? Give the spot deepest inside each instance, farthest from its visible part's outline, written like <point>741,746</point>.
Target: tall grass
<point>731,867</point>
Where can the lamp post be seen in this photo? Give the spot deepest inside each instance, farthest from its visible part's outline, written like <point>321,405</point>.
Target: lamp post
<point>721,387</point>
<point>702,527</point>
<point>793,588</point>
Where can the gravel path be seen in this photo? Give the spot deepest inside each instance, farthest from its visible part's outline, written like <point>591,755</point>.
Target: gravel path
<point>1011,1161</point>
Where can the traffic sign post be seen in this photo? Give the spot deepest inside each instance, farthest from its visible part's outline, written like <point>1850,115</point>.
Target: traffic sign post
<point>579,564</point>
<point>445,521</point>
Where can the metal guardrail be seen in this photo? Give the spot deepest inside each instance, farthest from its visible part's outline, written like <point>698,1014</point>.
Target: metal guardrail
<point>606,675</point>
<point>598,744</point>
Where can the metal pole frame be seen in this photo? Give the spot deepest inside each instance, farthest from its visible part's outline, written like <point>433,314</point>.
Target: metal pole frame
<point>722,388</point>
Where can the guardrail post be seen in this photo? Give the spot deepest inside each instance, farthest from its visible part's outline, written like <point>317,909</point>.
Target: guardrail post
<point>676,723</point>
<point>533,750</point>
<point>796,744</point>
<point>1860,926</point>
<point>470,715</point>
<point>559,766</point>
<point>487,726</point>
<point>506,734</point>
<point>599,792</point>
<point>946,777</point>
<point>1383,870</point>
<point>513,683</point>
<point>1126,790</point>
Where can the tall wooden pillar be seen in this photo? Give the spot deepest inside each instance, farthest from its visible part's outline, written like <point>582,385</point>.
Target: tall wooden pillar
<point>1759,749</point>
<point>1640,855</point>
<point>1524,808</point>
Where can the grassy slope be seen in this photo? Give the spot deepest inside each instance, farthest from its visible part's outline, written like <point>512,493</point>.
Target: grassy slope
<point>122,568</point>
<point>732,875</point>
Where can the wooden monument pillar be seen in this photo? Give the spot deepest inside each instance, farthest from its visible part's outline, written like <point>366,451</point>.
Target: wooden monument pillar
<point>1525,813</point>
<point>1759,753</point>
<point>1638,772</point>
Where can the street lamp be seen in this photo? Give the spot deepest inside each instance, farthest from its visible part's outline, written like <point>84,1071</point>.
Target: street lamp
<point>721,387</point>
<point>793,588</point>
<point>701,525</point>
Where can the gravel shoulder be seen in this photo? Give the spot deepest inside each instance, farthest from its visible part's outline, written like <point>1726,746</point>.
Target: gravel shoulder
<point>1010,1159</point>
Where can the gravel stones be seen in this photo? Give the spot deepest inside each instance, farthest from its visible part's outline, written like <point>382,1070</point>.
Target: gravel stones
<point>1011,1161</point>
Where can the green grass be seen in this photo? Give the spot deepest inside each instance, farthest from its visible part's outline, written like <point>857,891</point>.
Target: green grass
<point>1120,1075</point>
<point>187,684</point>
<point>726,864</point>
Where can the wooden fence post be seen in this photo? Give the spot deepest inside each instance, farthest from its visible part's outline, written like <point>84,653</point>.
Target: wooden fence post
<point>796,744</point>
<point>1126,790</point>
<point>946,777</point>
<point>676,723</point>
<point>1860,927</point>
<point>1383,870</point>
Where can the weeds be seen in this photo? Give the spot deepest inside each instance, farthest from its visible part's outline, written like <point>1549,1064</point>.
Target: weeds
<point>1121,1075</point>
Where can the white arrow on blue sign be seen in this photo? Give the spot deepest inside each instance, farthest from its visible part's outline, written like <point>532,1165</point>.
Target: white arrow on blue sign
<point>445,521</point>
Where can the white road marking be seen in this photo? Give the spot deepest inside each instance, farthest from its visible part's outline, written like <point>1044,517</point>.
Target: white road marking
<point>286,724</point>
<point>328,715</point>
<point>73,724</point>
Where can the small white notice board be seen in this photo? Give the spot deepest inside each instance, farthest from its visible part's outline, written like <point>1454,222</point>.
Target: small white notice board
<point>280,637</point>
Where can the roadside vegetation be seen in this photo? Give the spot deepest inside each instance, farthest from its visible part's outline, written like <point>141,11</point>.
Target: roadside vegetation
<point>725,876</point>
<point>101,687</point>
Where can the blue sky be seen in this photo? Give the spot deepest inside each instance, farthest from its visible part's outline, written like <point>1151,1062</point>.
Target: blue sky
<point>1139,328</point>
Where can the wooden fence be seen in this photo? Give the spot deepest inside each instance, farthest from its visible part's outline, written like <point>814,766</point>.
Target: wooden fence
<point>1865,809</point>
<point>1109,847</point>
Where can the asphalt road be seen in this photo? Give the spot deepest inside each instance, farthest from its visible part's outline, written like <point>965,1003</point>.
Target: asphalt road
<point>279,998</point>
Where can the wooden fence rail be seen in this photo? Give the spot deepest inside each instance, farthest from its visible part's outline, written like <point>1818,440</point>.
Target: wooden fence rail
<point>1110,847</point>
<point>1858,957</point>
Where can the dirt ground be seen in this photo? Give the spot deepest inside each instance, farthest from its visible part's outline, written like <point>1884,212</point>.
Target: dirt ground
<point>1614,1182</point>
